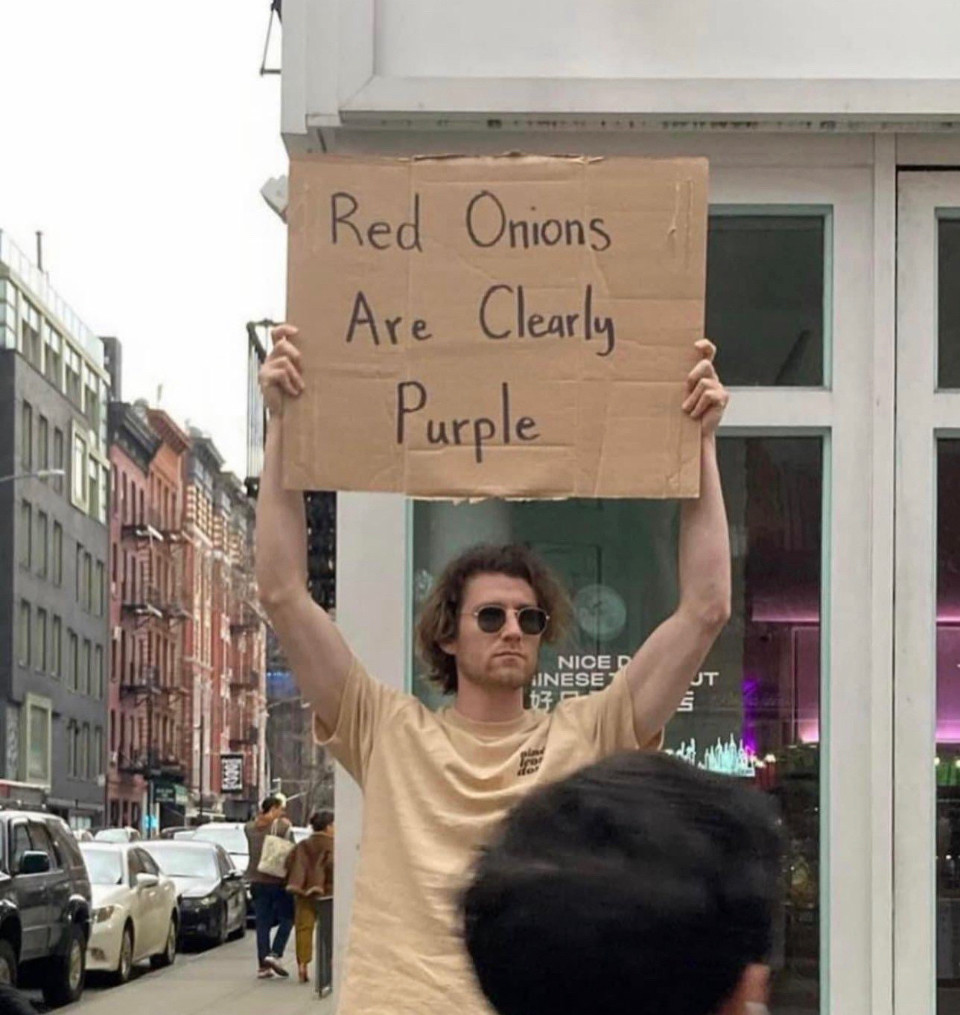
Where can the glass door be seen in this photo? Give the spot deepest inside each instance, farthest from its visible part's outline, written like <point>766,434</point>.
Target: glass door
<point>927,626</point>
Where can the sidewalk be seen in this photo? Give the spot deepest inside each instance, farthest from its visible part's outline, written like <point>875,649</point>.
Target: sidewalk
<point>221,981</point>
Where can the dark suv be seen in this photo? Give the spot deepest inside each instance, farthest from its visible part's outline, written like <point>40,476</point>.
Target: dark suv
<point>44,905</point>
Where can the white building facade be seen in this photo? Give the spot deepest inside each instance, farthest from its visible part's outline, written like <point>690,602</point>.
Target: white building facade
<point>833,134</point>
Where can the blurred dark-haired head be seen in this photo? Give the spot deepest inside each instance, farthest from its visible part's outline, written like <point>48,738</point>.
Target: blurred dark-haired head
<point>637,886</point>
<point>320,821</point>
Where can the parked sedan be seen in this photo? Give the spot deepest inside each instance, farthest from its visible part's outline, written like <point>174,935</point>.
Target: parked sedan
<point>135,915</point>
<point>231,836</point>
<point>213,903</point>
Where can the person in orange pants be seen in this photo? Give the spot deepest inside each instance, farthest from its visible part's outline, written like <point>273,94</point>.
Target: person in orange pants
<point>311,879</point>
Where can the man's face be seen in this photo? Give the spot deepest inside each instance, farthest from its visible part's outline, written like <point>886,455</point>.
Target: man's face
<point>505,658</point>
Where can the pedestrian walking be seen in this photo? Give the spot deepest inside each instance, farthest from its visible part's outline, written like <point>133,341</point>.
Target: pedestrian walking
<point>270,840</point>
<point>637,886</point>
<point>310,881</point>
<point>437,783</point>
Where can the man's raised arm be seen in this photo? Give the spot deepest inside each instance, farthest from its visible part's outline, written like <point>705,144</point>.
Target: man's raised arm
<point>662,669</point>
<point>317,653</point>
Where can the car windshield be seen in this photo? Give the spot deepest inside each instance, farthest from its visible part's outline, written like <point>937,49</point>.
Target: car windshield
<point>182,861</point>
<point>233,840</point>
<point>105,866</point>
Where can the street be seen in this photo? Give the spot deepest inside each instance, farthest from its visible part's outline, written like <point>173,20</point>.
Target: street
<point>211,982</point>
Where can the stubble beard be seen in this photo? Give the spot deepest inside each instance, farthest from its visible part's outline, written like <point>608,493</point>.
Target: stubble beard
<point>506,678</point>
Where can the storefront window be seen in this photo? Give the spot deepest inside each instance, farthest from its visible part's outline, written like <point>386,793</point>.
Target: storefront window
<point>947,756</point>
<point>753,710</point>
<point>767,307</point>
<point>948,302</point>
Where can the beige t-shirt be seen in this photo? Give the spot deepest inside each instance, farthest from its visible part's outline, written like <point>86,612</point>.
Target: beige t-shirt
<point>436,785</point>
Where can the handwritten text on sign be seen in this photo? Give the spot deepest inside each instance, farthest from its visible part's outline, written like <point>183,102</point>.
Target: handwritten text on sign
<point>457,311</point>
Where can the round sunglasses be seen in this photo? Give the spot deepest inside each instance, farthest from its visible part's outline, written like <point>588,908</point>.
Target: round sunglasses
<point>530,619</point>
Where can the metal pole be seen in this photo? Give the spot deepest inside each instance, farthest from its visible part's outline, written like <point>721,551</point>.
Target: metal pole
<point>150,756</point>
<point>200,818</point>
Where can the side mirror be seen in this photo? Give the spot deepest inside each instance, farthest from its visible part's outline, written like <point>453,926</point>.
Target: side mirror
<point>147,881</point>
<point>233,876</point>
<point>34,862</point>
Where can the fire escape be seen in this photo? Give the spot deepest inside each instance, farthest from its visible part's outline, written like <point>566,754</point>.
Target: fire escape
<point>153,606</point>
<point>246,679</point>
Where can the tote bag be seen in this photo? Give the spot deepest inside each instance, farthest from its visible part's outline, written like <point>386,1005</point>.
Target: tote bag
<point>276,852</point>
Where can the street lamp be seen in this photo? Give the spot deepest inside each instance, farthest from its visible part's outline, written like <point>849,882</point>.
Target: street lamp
<point>37,474</point>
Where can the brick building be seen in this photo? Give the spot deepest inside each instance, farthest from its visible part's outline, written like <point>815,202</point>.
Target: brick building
<point>225,640</point>
<point>186,689</point>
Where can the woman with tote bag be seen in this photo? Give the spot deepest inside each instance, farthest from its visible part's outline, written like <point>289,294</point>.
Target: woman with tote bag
<point>270,838</point>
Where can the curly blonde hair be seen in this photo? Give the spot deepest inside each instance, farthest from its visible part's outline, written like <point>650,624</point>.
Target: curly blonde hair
<point>438,619</point>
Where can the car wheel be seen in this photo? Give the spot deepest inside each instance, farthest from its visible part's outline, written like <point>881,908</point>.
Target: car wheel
<point>63,983</point>
<point>125,962</point>
<point>8,964</point>
<point>169,953</point>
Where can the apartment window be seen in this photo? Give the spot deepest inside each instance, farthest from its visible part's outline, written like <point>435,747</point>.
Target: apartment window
<point>26,534</point>
<point>97,752</point>
<point>26,435</point>
<point>113,491</point>
<point>57,551</point>
<point>42,558</point>
<point>73,659</point>
<point>98,590</point>
<point>23,639</point>
<point>98,675</point>
<point>93,487</point>
<point>78,489</point>
<point>73,748</point>
<point>38,736</point>
<point>58,458</point>
<point>86,589</point>
<point>71,360</point>
<point>30,334</point>
<point>53,353</point>
<point>105,493</point>
<point>43,444</point>
<point>83,760</point>
<point>56,648</point>
<point>40,656</point>
<point>123,500</point>
<point>91,400</point>
<point>8,315</point>
<point>78,572</point>
<point>83,683</point>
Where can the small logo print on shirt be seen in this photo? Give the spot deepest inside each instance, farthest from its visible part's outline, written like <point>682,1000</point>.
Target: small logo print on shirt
<point>530,761</point>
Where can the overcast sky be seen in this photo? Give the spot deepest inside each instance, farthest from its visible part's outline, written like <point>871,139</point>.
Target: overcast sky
<point>137,134</point>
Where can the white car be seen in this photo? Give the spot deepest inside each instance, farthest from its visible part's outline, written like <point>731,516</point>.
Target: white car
<point>134,915</point>
<point>116,835</point>
<point>228,834</point>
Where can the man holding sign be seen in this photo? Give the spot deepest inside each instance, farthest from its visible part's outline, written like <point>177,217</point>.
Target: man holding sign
<point>436,784</point>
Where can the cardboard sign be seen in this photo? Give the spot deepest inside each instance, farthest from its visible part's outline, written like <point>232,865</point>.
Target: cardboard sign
<point>515,326</point>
